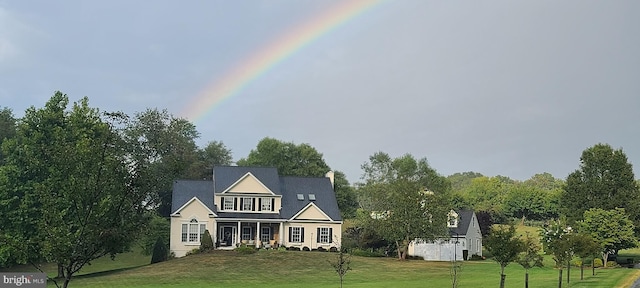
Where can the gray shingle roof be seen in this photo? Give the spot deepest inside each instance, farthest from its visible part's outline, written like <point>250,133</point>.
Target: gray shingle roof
<point>464,220</point>
<point>288,187</point>
<point>225,176</point>
<point>184,190</point>
<point>321,187</point>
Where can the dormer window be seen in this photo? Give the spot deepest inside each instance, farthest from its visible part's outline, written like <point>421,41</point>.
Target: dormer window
<point>452,219</point>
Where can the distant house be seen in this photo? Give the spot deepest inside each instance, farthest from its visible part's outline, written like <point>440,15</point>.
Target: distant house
<point>464,240</point>
<point>255,206</point>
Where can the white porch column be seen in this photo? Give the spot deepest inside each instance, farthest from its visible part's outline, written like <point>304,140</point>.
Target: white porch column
<point>238,233</point>
<point>258,234</point>
<point>280,234</point>
<point>214,233</point>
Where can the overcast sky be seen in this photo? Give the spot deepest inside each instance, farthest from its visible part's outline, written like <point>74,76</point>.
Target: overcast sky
<point>508,88</point>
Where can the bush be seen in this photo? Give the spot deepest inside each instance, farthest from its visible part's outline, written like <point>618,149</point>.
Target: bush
<point>293,248</point>
<point>305,248</point>
<point>282,248</point>
<point>320,249</point>
<point>612,264</point>
<point>245,249</point>
<point>476,257</point>
<point>576,262</point>
<point>160,251</point>
<point>367,253</point>
<point>193,252</point>
<point>333,249</point>
<point>207,243</point>
<point>597,263</point>
<point>157,227</point>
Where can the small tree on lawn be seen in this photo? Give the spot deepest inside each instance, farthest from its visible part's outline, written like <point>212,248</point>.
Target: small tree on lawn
<point>342,264</point>
<point>585,247</point>
<point>503,244</point>
<point>556,240</point>
<point>529,257</point>
<point>207,242</point>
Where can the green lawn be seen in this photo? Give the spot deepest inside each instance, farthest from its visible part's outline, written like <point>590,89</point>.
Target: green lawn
<point>311,269</point>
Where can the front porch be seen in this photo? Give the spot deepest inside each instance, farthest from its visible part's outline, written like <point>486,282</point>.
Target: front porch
<point>261,234</point>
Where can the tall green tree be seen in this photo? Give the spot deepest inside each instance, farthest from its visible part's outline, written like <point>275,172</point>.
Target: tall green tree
<point>301,160</point>
<point>212,154</point>
<point>289,158</point>
<point>505,247</point>
<point>612,229</point>
<point>7,127</point>
<point>407,199</point>
<point>162,149</point>
<point>71,183</point>
<point>604,180</point>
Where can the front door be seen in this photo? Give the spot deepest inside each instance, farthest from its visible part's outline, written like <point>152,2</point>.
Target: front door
<point>228,235</point>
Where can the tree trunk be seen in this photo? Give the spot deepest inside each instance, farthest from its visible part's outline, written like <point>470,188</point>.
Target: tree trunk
<point>526,279</point>
<point>593,267</point>
<point>60,271</point>
<point>605,258</point>
<point>568,270</point>
<point>560,278</point>
<point>581,271</point>
<point>502,277</point>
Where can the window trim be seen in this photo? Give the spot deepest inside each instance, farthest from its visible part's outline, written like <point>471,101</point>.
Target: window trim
<point>193,229</point>
<point>265,204</point>
<point>296,232</point>
<point>242,234</point>
<point>245,203</point>
<point>324,236</point>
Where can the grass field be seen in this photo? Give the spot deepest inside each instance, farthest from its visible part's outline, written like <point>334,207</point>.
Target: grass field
<point>312,269</point>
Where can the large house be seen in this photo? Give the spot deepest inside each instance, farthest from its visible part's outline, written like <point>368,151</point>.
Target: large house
<point>255,206</point>
<point>464,240</point>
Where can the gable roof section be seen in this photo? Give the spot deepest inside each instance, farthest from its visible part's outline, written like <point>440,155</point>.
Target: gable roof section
<point>185,190</point>
<point>247,177</point>
<point>464,221</point>
<point>225,176</point>
<point>311,205</point>
<point>321,187</point>
<point>194,199</point>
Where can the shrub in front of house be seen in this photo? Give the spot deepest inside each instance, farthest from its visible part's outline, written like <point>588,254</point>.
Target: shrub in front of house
<point>160,251</point>
<point>207,243</point>
<point>612,264</point>
<point>476,257</point>
<point>193,252</point>
<point>305,248</point>
<point>246,249</point>
<point>333,249</point>
<point>320,249</point>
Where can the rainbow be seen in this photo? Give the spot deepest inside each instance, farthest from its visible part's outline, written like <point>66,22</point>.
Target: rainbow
<point>268,57</point>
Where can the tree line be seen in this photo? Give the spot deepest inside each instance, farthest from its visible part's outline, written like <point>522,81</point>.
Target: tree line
<point>77,183</point>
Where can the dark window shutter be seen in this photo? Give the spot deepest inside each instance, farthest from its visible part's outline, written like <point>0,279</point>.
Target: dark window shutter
<point>259,204</point>
<point>241,203</point>
<point>253,205</point>
<point>270,233</point>
<point>301,234</point>
<point>273,204</point>
<point>221,203</point>
<point>318,236</point>
<point>235,203</point>
<point>290,234</point>
<point>330,235</point>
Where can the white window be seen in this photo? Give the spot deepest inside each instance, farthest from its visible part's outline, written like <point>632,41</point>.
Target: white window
<point>323,235</point>
<point>453,221</point>
<point>228,203</point>
<point>247,203</point>
<point>478,245</point>
<point>246,233</point>
<point>296,234</point>
<point>265,204</point>
<point>193,231</point>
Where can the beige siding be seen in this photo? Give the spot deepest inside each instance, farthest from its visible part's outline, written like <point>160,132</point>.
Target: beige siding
<point>249,185</point>
<point>194,210</point>
<point>311,213</point>
<point>310,235</point>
